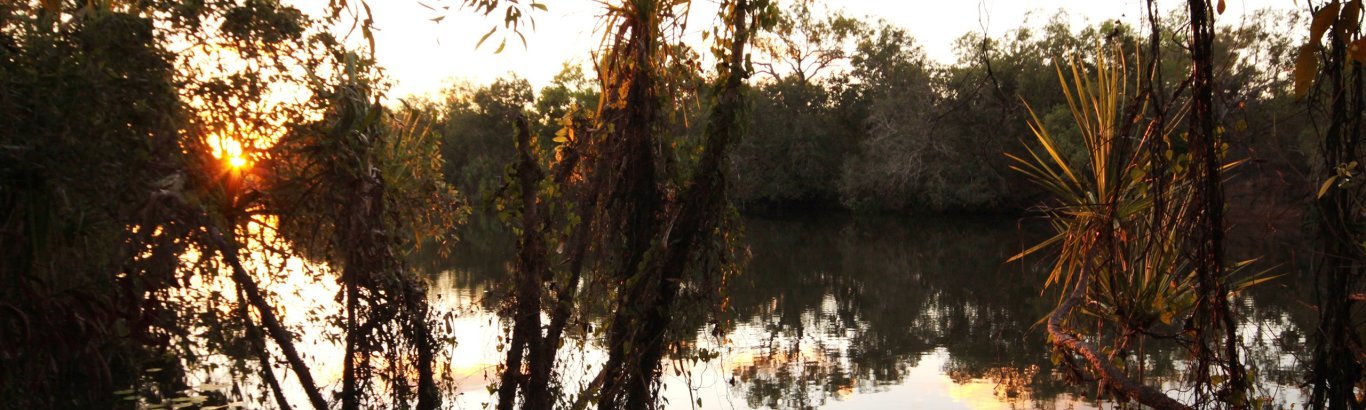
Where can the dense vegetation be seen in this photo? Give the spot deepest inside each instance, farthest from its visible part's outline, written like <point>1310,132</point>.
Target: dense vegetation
<point>180,180</point>
<point>163,163</point>
<point>851,114</point>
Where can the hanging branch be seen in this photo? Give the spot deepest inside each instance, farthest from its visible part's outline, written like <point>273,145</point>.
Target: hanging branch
<point>1336,370</point>
<point>1212,308</point>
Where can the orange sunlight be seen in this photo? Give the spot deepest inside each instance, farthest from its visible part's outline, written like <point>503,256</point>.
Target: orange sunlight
<point>230,151</point>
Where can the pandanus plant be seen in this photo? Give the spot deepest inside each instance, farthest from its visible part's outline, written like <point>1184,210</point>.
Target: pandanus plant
<point>1120,216</point>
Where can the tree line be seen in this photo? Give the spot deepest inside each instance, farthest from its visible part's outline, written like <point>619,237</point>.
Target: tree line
<point>851,114</point>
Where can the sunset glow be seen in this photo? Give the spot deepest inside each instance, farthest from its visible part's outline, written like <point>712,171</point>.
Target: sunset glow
<point>230,151</point>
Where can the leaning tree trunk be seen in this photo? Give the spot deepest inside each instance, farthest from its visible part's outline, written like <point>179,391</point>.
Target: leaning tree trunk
<point>1099,362</point>
<point>699,211</point>
<point>227,248</point>
<point>633,195</point>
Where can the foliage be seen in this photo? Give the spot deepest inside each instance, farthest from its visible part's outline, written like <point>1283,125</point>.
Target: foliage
<point>474,136</point>
<point>145,145</point>
<point>907,160</point>
<point>795,146</point>
<point>85,248</point>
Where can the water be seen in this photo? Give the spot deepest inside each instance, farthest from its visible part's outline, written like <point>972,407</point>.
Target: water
<point>841,312</point>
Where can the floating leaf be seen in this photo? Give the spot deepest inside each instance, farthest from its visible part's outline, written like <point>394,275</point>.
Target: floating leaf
<point>214,386</point>
<point>1306,67</point>
<point>1221,6</point>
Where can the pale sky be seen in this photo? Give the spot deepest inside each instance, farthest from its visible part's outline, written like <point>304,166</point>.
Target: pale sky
<point>422,56</point>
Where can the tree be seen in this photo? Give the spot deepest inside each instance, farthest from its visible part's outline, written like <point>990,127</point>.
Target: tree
<point>181,162</point>
<point>603,199</point>
<point>474,136</point>
<point>803,47</point>
<point>1332,79</point>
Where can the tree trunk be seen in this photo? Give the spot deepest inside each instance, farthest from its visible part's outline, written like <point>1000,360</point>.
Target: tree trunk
<point>1336,370</point>
<point>273,326</point>
<point>1212,310</point>
<point>531,268</point>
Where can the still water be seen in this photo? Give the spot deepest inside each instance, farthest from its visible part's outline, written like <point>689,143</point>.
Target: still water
<point>840,312</point>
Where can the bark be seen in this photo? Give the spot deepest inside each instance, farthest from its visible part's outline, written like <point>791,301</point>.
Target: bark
<point>349,397</point>
<point>428,395</point>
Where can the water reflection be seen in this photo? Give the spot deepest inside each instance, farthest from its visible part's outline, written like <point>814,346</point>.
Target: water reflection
<point>842,312</point>
<point>860,303</point>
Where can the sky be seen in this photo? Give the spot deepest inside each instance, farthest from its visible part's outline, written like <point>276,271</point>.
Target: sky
<point>424,56</point>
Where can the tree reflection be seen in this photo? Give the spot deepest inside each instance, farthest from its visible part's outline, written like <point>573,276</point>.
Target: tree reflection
<point>839,305</point>
<point>828,308</point>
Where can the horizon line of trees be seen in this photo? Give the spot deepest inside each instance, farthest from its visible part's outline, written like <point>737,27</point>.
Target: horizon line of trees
<point>850,114</point>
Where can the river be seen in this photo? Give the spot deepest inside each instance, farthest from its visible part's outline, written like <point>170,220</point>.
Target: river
<point>833,311</point>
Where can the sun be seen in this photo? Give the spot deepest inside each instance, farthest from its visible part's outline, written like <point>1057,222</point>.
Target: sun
<point>230,151</point>
<point>237,162</point>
